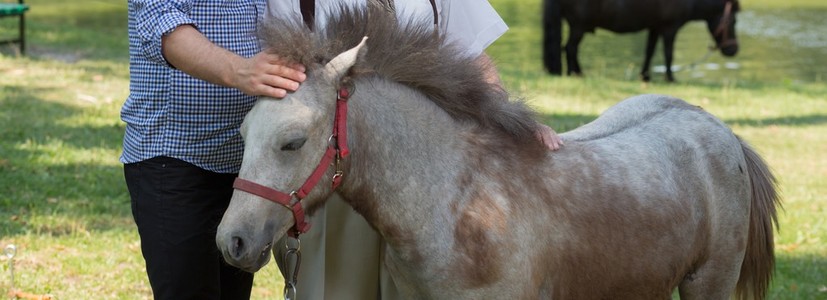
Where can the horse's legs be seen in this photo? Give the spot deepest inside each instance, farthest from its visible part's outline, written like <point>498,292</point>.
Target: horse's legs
<point>552,35</point>
<point>713,280</point>
<point>715,277</point>
<point>575,35</point>
<point>650,50</point>
<point>668,50</point>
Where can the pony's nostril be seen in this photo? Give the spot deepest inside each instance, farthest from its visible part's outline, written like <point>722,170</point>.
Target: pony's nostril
<point>237,247</point>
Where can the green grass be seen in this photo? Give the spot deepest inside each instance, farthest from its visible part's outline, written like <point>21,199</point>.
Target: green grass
<point>784,4</point>
<point>63,201</point>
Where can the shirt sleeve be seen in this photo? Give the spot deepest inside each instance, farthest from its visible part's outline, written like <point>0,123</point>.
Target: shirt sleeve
<point>156,18</point>
<point>472,24</point>
<point>284,9</point>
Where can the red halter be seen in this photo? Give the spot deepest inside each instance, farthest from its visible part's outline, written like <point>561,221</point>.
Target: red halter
<point>337,149</point>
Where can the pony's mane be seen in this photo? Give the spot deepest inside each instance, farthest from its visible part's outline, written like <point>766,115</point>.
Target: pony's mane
<point>411,54</point>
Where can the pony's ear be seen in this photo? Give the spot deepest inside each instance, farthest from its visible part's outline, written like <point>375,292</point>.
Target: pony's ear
<point>339,65</point>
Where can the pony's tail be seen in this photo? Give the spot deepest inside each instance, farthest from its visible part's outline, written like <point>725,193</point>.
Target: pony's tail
<point>552,36</point>
<point>759,259</point>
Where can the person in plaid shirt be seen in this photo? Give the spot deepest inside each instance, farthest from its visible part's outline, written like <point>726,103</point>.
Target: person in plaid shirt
<point>195,71</point>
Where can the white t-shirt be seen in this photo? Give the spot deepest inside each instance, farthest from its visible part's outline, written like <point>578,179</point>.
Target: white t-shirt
<point>472,24</point>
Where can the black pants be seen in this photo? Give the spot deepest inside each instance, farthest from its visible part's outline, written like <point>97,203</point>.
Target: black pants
<point>177,207</point>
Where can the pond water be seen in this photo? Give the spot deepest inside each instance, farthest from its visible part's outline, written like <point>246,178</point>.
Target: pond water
<point>775,45</point>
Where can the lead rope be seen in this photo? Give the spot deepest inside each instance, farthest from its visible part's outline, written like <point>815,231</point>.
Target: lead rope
<point>292,278</point>
<point>695,63</point>
<point>720,30</point>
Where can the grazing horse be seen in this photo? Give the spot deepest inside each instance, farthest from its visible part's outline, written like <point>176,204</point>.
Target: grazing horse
<point>653,195</point>
<point>662,18</point>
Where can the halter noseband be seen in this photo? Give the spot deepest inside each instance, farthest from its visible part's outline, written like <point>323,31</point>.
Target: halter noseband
<point>336,150</point>
<point>723,26</point>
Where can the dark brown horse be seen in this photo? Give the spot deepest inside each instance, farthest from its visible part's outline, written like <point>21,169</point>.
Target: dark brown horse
<point>662,18</point>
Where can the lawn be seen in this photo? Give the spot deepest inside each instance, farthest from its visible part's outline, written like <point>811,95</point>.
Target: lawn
<point>64,204</point>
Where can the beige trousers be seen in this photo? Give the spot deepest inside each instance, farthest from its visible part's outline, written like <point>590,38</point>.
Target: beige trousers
<point>341,257</point>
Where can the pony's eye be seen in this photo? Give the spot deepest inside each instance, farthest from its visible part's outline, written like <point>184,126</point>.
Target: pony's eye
<point>294,145</point>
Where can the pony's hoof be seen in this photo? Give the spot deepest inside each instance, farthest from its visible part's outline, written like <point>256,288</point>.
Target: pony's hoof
<point>554,70</point>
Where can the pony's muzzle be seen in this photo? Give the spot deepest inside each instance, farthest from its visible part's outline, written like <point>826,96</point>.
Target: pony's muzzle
<point>729,48</point>
<point>244,254</point>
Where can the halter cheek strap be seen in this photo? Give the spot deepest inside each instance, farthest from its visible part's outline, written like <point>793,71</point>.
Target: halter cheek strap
<point>722,29</point>
<point>336,150</point>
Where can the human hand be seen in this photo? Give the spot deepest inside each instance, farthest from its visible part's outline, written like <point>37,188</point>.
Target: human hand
<point>548,137</point>
<point>267,74</point>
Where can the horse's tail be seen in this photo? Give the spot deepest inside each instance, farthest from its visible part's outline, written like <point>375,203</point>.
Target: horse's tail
<point>552,36</point>
<point>759,259</point>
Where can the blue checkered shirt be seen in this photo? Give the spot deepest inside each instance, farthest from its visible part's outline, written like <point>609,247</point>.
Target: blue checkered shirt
<point>169,113</point>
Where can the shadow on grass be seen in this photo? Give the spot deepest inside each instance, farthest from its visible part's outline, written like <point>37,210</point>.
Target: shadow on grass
<point>566,122</point>
<point>799,277</point>
<point>804,120</point>
<point>28,117</point>
<point>41,177</point>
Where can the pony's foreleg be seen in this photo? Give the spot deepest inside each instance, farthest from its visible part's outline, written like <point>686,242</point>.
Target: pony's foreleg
<point>669,49</point>
<point>552,37</point>
<point>651,42</point>
<point>575,36</point>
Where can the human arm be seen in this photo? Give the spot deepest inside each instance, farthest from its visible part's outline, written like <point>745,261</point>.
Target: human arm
<point>264,74</point>
<point>544,133</point>
<point>474,25</point>
<point>166,33</point>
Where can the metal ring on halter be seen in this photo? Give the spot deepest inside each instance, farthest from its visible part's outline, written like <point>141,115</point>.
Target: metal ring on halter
<point>289,291</point>
<point>298,244</point>
<point>348,85</point>
<point>292,278</point>
<point>294,195</point>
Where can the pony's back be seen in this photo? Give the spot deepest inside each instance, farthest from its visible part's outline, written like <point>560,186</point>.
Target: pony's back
<point>717,176</point>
